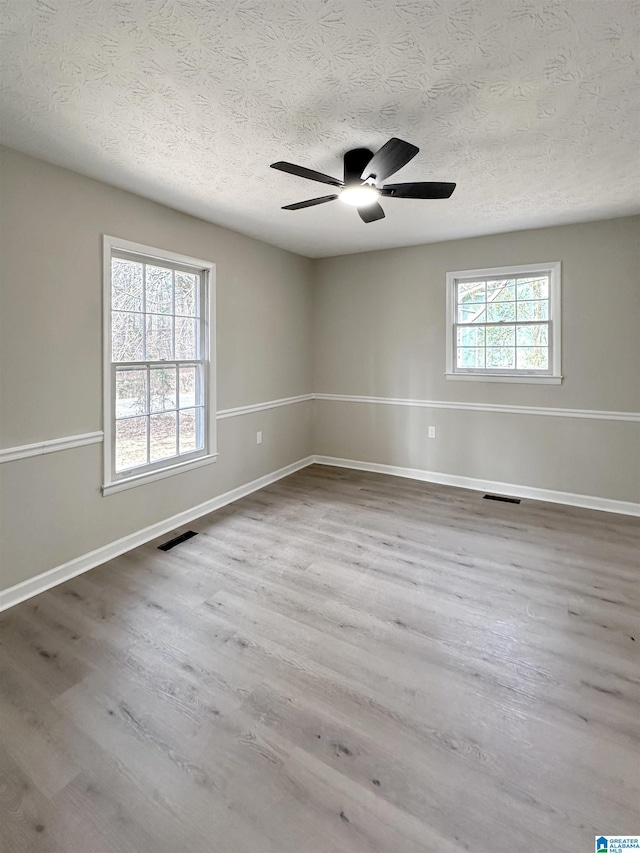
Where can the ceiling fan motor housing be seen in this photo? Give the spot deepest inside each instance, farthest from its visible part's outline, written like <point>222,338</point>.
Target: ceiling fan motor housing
<point>355,162</point>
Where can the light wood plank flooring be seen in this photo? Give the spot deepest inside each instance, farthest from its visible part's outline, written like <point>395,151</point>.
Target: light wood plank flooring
<point>343,662</point>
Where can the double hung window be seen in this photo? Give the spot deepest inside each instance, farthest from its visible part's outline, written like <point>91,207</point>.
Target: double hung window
<point>504,324</point>
<point>158,373</point>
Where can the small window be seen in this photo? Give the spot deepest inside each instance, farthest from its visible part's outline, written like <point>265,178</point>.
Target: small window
<point>503,324</point>
<point>158,373</point>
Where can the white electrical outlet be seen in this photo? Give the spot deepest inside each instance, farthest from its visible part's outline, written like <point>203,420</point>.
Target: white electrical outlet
<point>259,437</point>
<point>432,432</point>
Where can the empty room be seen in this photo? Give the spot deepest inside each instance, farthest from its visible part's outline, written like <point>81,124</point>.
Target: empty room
<point>319,426</point>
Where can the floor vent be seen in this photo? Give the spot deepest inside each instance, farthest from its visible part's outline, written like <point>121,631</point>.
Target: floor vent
<point>177,541</point>
<point>500,498</point>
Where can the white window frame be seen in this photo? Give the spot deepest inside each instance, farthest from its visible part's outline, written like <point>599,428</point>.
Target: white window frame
<point>116,482</point>
<point>553,376</point>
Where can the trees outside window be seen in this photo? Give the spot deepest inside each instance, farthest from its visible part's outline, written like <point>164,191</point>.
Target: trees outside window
<point>158,361</point>
<point>504,323</point>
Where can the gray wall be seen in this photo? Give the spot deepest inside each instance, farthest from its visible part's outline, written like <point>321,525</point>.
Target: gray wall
<point>51,361</point>
<point>379,330</point>
<point>372,324</point>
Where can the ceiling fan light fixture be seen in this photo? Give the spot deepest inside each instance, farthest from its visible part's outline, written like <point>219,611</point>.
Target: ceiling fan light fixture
<point>360,196</point>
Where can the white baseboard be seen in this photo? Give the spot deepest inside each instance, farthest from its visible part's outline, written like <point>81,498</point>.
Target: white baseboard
<point>509,489</point>
<point>33,586</point>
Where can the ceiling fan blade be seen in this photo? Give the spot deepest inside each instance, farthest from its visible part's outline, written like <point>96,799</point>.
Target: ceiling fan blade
<point>309,202</point>
<point>423,189</point>
<point>371,212</point>
<point>393,155</point>
<point>303,172</point>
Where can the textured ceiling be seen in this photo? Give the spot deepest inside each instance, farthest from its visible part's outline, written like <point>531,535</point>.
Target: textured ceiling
<point>530,105</point>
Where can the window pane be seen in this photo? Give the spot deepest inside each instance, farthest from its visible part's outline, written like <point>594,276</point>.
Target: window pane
<point>163,388</point>
<point>186,294</point>
<point>162,436</point>
<point>472,313</point>
<point>131,393</point>
<point>501,291</point>
<point>473,291</point>
<point>533,288</point>
<point>470,357</point>
<point>190,390</point>
<point>501,357</point>
<point>191,430</point>
<point>501,336</point>
<point>159,290</point>
<point>186,338</point>
<point>126,337</point>
<point>501,311</point>
<point>533,358</point>
<point>471,337</point>
<point>533,310</point>
<point>159,337</point>
<point>532,335</point>
<point>131,443</point>
<point>126,285</point>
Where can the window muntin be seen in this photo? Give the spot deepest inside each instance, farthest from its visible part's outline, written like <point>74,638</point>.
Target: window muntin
<point>157,361</point>
<point>504,322</point>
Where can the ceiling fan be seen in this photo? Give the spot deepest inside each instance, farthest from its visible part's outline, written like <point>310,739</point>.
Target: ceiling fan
<point>363,172</point>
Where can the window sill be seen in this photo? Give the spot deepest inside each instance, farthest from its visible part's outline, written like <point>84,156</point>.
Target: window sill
<point>486,377</point>
<point>159,474</point>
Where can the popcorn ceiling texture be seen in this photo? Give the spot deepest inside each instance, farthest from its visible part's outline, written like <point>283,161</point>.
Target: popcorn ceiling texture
<point>530,105</point>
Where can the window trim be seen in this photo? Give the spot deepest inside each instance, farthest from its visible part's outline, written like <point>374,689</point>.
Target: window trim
<point>176,465</point>
<point>554,375</point>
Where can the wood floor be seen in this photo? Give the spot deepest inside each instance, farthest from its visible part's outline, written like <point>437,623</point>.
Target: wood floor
<point>343,662</point>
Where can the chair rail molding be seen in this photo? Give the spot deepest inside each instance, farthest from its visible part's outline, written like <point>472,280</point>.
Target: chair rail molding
<point>39,448</point>
<point>545,411</point>
<point>261,407</point>
<point>52,445</point>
